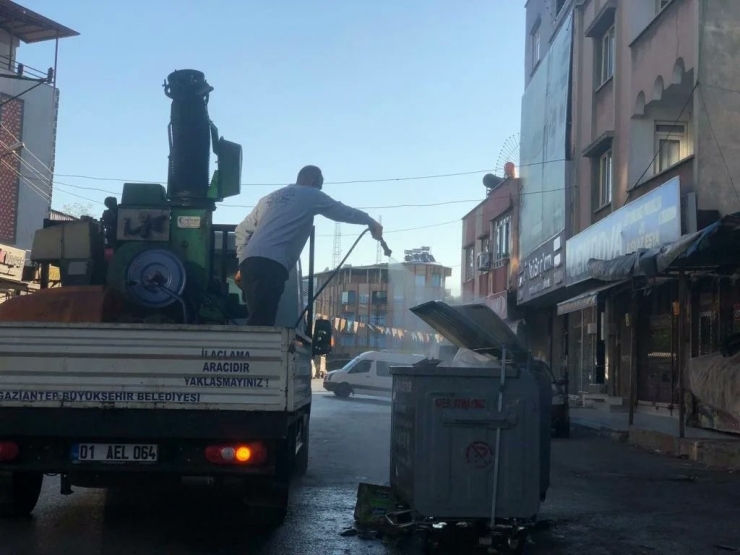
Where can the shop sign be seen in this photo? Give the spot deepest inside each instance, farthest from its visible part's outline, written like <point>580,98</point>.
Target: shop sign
<point>542,271</point>
<point>646,222</point>
<point>12,261</point>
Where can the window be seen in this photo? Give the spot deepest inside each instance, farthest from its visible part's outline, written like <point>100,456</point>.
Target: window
<point>607,57</point>
<point>360,367</point>
<point>485,244</point>
<point>502,228</point>
<point>380,297</point>
<point>605,179</point>
<point>378,341</point>
<point>364,298</point>
<point>378,319</point>
<point>349,297</point>
<point>469,263</point>
<point>660,5</point>
<point>382,369</point>
<point>436,280</point>
<point>535,47</point>
<point>420,280</point>
<point>671,144</point>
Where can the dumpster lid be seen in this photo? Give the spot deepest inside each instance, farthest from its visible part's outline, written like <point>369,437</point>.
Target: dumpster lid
<point>472,326</point>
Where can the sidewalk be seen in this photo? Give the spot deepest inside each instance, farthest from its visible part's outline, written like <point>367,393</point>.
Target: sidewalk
<point>660,433</point>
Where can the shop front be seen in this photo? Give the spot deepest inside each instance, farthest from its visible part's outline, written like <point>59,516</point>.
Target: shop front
<point>540,285</point>
<point>622,327</point>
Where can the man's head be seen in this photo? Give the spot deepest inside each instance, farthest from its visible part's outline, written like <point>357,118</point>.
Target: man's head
<point>310,176</point>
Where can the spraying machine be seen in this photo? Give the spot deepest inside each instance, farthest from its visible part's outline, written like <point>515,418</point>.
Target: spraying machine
<point>135,370</point>
<point>154,251</point>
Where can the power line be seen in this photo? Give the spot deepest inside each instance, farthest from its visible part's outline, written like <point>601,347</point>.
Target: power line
<point>719,148</point>
<point>327,235</point>
<point>348,182</point>
<point>21,179</point>
<point>43,165</point>
<point>410,228</point>
<point>387,206</point>
<point>16,97</point>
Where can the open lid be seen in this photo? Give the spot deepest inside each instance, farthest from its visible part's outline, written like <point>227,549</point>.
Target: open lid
<point>472,326</point>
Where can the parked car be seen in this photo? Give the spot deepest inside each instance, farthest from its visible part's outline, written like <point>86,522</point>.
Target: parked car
<point>367,374</point>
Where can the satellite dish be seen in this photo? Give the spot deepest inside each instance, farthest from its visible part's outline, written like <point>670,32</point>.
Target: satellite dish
<point>508,158</point>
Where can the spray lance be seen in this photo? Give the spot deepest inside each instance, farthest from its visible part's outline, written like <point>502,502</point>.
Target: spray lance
<point>386,251</point>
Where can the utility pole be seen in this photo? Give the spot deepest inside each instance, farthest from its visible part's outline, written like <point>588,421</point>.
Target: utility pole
<point>337,256</point>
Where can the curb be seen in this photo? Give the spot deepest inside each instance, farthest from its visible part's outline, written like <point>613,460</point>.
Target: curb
<point>714,453</point>
<point>614,435</point>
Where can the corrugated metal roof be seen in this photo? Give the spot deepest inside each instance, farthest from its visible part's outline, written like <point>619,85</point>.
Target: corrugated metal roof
<point>30,26</point>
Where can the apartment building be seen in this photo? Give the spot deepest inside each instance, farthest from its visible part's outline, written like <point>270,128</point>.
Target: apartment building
<point>29,101</point>
<point>490,247</point>
<point>650,157</point>
<point>370,304</point>
<point>546,173</point>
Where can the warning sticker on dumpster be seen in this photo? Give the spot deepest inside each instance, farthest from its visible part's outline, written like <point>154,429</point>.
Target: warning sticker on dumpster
<point>479,454</point>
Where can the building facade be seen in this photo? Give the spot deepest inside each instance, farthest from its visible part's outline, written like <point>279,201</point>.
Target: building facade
<point>369,305</point>
<point>29,101</point>
<point>650,158</point>
<point>546,173</point>
<point>490,248</point>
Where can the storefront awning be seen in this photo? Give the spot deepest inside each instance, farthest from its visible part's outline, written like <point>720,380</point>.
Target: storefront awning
<point>712,247</point>
<point>585,300</point>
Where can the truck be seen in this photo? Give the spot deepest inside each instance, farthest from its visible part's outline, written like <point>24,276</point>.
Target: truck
<point>139,367</point>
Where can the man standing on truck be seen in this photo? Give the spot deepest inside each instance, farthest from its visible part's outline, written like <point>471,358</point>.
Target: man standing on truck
<point>271,238</point>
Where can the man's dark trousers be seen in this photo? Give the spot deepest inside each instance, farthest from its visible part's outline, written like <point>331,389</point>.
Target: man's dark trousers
<point>263,283</point>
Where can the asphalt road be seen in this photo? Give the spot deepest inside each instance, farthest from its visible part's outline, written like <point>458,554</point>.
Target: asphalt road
<point>605,498</point>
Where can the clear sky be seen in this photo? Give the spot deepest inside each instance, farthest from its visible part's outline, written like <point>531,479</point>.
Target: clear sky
<point>366,89</point>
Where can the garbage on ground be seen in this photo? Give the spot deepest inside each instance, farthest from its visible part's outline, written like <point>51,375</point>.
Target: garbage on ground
<point>374,503</point>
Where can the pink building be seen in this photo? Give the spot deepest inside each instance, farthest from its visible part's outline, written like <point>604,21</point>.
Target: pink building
<point>489,247</point>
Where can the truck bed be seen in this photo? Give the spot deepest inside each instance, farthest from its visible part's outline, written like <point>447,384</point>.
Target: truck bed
<point>137,366</point>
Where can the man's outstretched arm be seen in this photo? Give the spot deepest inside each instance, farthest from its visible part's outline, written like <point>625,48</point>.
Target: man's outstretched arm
<point>335,210</point>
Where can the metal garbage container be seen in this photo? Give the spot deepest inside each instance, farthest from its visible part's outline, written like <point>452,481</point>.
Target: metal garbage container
<point>467,442</point>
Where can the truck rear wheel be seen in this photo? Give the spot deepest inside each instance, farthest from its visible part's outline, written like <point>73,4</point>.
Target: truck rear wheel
<point>300,466</point>
<point>19,493</point>
<point>268,504</point>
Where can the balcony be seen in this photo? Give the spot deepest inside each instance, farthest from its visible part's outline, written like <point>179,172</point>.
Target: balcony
<point>12,68</point>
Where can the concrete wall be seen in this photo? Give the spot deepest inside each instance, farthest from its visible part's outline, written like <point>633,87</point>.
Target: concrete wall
<point>39,136</point>
<point>8,45</point>
<point>717,107</point>
<point>668,40</point>
<point>654,70</point>
<point>39,108</point>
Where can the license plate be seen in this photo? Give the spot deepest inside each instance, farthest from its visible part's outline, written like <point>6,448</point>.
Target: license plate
<point>114,453</point>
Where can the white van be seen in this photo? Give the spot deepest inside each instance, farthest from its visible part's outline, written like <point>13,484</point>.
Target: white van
<point>368,374</point>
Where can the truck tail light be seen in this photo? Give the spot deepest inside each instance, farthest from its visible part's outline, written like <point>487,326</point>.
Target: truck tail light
<point>237,454</point>
<point>8,451</point>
